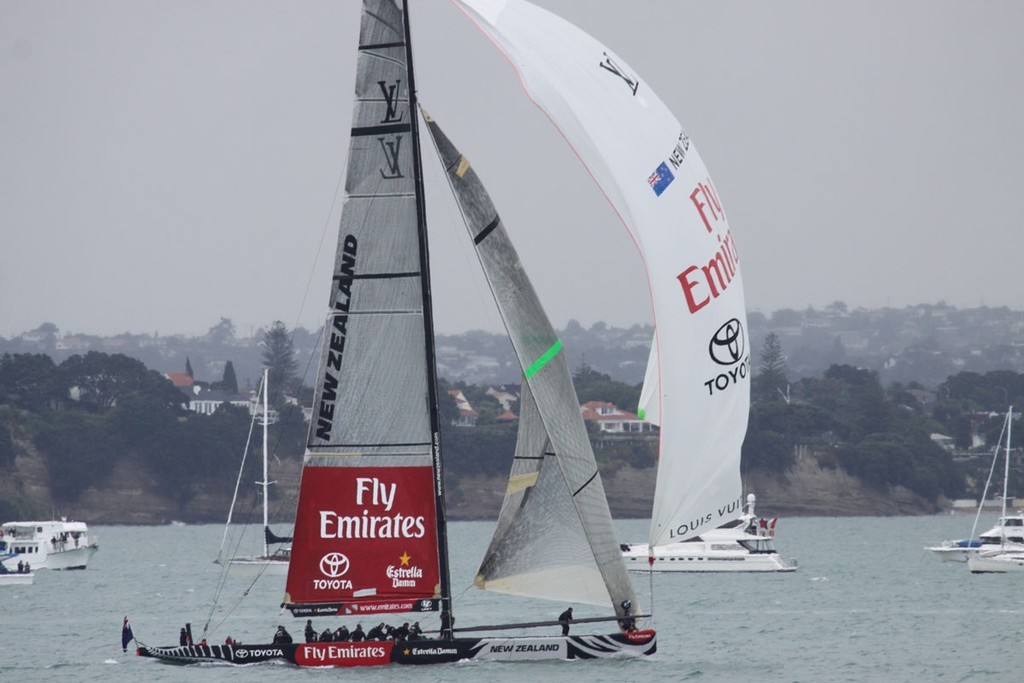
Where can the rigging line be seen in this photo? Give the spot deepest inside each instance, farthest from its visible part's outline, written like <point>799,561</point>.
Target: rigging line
<point>289,498</point>
<point>319,249</point>
<point>991,472</point>
<point>237,540</point>
<point>238,481</point>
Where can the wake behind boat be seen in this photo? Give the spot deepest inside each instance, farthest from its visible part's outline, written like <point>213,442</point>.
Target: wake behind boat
<point>370,534</point>
<point>743,545</point>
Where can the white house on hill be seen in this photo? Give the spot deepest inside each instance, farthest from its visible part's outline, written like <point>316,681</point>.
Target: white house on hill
<point>611,419</point>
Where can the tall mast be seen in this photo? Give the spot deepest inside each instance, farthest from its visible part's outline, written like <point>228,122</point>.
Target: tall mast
<point>266,417</point>
<point>428,329</point>
<point>1006,475</point>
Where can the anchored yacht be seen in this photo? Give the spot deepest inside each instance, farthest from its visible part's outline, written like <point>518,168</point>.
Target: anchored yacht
<point>746,544</point>
<point>57,544</point>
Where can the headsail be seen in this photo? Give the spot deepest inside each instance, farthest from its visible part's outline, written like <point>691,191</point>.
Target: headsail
<point>554,537</point>
<point>369,531</point>
<point>651,173</point>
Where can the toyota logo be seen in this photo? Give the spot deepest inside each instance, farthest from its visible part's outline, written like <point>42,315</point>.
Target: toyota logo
<point>333,565</point>
<point>728,344</point>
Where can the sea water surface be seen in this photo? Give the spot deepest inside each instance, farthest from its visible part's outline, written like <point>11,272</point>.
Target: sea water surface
<point>867,604</point>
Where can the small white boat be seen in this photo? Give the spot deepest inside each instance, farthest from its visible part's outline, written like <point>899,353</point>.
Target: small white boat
<point>17,576</point>
<point>1002,547</point>
<point>746,544</point>
<point>56,544</point>
<point>1010,528</point>
<point>996,561</point>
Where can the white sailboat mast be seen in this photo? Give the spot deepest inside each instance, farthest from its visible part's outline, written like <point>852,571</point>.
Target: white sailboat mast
<point>265,483</point>
<point>1006,475</point>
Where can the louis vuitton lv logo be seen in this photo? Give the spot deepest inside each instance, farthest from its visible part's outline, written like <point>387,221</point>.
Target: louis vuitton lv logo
<point>391,147</point>
<point>609,65</point>
<point>390,93</point>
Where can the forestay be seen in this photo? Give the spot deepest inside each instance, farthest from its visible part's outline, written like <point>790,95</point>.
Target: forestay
<point>650,171</point>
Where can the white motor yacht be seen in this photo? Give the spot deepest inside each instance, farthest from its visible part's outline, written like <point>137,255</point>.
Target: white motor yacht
<point>57,544</point>
<point>1008,533</point>
<point>746,544</point>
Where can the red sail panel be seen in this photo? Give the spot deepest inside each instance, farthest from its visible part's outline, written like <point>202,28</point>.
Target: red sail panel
<point>365,542</point>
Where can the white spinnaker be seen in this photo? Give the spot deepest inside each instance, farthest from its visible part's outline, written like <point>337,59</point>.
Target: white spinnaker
<point>637,152</point>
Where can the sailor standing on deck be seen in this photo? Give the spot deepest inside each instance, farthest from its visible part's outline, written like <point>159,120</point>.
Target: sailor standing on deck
<point>564,618</point>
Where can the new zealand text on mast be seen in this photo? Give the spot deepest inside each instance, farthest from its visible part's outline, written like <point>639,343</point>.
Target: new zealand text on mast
<point>336,343</point>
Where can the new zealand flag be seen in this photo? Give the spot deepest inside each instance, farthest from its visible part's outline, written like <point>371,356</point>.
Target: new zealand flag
<point>661,178</point>
<point>126,635</point>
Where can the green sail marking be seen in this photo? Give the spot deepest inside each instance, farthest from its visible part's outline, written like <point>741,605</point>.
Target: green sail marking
<point>543,360</point>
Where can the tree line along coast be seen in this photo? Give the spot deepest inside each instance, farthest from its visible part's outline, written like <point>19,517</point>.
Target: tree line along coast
<point>91,426</point>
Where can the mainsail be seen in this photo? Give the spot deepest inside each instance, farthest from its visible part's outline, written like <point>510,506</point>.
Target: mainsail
<point>650,171</point>
<point>554,537</point>
<point>369,532</point>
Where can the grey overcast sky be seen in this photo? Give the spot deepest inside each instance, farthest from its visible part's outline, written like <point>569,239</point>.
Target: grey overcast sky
<point>163,164</point>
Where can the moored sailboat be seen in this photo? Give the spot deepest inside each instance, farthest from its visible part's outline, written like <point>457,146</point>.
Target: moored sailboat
<point>1008,556</point>
<point>1006,537</point>
<point>370,534</point>
<point>276,549</point>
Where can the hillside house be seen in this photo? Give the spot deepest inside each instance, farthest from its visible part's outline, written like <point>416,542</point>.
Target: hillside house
<point>611,419</point>
<point>467,416</point>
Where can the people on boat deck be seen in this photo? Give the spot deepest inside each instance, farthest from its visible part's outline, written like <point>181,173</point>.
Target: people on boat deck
<point>447,622</point>
<point>184,638</point>
<point>564,618</point>
<point>229,641</point>
<point>627,623</point>
<point>381,631</point>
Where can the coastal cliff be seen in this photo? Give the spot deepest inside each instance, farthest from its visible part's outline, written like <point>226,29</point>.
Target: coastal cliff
<point>131,495</point>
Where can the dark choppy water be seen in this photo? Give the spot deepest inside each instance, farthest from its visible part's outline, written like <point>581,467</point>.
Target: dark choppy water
<point>867,604</point>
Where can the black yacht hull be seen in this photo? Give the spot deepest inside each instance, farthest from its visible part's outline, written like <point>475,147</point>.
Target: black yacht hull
<point>427,651</point>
